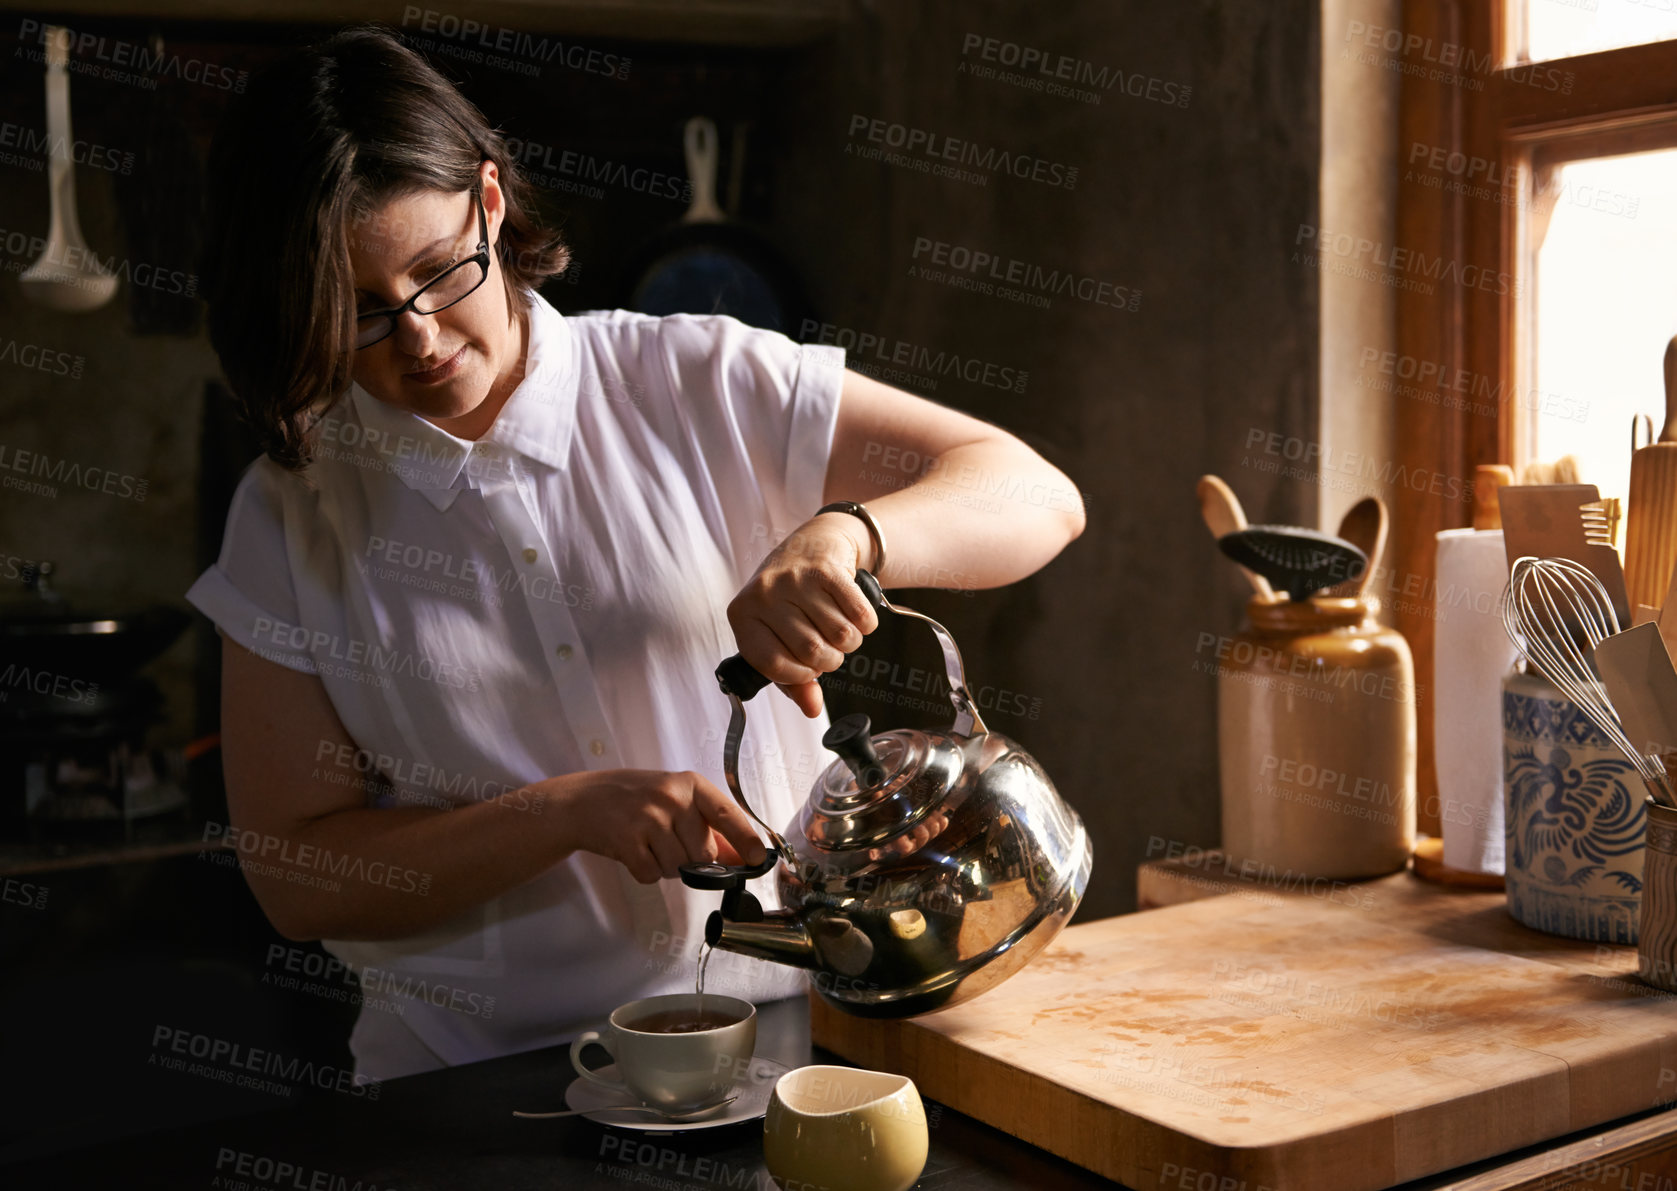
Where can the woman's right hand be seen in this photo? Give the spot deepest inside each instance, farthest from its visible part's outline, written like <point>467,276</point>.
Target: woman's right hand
<point>652,822</point>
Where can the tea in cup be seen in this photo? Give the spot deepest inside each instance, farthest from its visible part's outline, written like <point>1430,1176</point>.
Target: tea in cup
<point>675,1053</point>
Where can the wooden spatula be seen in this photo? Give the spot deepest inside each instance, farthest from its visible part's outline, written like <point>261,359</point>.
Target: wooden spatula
<point>1364,526</point>
<point>1667,615</point>
<point>1223,515</point>
<point>1544,521</point>
<point>1642,685</point>
<point>1651,519</point>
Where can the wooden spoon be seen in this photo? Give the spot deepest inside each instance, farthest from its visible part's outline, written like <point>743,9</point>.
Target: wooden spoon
<point>1364,526</point>
<point>1223,515</point>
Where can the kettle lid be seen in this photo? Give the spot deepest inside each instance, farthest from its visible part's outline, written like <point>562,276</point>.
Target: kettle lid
<point>880,787</point>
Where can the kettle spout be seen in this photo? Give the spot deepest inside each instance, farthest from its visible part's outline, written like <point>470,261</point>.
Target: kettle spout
<point>778,937</point>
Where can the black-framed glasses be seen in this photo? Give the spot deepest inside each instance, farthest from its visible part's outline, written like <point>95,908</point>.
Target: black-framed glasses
<point>441,292</point>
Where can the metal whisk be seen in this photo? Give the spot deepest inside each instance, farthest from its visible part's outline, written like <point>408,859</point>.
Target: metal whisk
<point>1556,613</point>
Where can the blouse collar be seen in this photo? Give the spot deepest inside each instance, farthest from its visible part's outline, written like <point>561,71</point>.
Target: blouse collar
<point>535,424</point>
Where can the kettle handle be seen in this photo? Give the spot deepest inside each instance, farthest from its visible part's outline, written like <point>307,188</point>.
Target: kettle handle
<point>740,680</point>
<point>736,676</point>
<point>966,721</point>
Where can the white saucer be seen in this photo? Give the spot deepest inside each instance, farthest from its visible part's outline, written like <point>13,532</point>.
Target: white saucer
<point>752,1092</point>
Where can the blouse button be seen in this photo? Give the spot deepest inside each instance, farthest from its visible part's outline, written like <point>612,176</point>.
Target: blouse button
<point>564,652</point>
<point>529,554</point>
<point>597,747</point>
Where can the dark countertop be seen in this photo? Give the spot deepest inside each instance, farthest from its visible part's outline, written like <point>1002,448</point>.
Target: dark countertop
<point>453,1130</point>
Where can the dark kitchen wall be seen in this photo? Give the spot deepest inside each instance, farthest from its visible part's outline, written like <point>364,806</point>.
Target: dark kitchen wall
<point>1194,133</point>
<point>123,459</point>
<point>1194,170</point>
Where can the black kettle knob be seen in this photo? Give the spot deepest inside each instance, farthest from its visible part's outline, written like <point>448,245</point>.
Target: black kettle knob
<point>709,874</point>
<point>729,879</point>
<point>852,739</point>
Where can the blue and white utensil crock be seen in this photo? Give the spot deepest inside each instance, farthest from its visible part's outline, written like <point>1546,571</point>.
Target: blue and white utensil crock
<point>1575,818</point>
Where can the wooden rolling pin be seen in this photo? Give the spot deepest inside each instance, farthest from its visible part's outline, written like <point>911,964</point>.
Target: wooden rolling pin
<point>1651,519</point>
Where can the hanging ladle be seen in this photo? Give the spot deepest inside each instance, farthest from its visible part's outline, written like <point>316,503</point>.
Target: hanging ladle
<point>67,276</point>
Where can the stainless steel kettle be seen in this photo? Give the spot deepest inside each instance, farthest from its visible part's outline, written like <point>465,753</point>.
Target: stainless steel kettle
<point>925,867</point>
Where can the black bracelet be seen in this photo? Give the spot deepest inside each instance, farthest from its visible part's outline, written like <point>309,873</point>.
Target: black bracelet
<point>855,509</point>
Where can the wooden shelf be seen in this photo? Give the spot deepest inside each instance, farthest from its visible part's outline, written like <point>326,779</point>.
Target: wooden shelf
<point>146,841</point>
<point>747,23</point>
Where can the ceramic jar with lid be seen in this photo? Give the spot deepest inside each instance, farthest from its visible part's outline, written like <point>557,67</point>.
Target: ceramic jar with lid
<point>1316,732</point>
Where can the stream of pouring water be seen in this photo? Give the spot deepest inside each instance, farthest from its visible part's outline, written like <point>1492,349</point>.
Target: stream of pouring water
<point>699,983</point>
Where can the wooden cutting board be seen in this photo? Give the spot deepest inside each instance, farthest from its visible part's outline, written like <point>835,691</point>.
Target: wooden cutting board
<point>1346,1039</point>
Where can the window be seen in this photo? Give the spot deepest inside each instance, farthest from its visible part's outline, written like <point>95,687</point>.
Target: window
<point>1565,28</point>
<point>1604,306</point>
<point>1516,117</point>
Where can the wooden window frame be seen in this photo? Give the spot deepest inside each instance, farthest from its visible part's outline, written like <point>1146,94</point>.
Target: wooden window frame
<point>1614,101</point>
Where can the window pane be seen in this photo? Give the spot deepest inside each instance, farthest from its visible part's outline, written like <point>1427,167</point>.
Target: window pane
<point>1561,28</point>
<point>1606,305</point>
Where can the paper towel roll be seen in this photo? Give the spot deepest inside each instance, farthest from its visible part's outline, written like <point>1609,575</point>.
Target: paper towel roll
<point>1471,653</point>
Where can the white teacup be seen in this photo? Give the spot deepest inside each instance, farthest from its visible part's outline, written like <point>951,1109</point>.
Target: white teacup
<point>674,1072</point>
<point>845,1129</point>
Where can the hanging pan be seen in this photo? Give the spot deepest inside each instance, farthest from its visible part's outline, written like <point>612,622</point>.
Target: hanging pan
<point>706,264</point>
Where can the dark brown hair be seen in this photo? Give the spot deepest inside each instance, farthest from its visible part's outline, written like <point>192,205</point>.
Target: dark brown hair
<point>319,142</point>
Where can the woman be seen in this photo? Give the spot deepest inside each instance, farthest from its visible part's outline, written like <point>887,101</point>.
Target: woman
<point>474,594</point>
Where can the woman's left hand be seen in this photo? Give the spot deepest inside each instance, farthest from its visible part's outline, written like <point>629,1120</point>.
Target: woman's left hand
<point>802,612</point>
